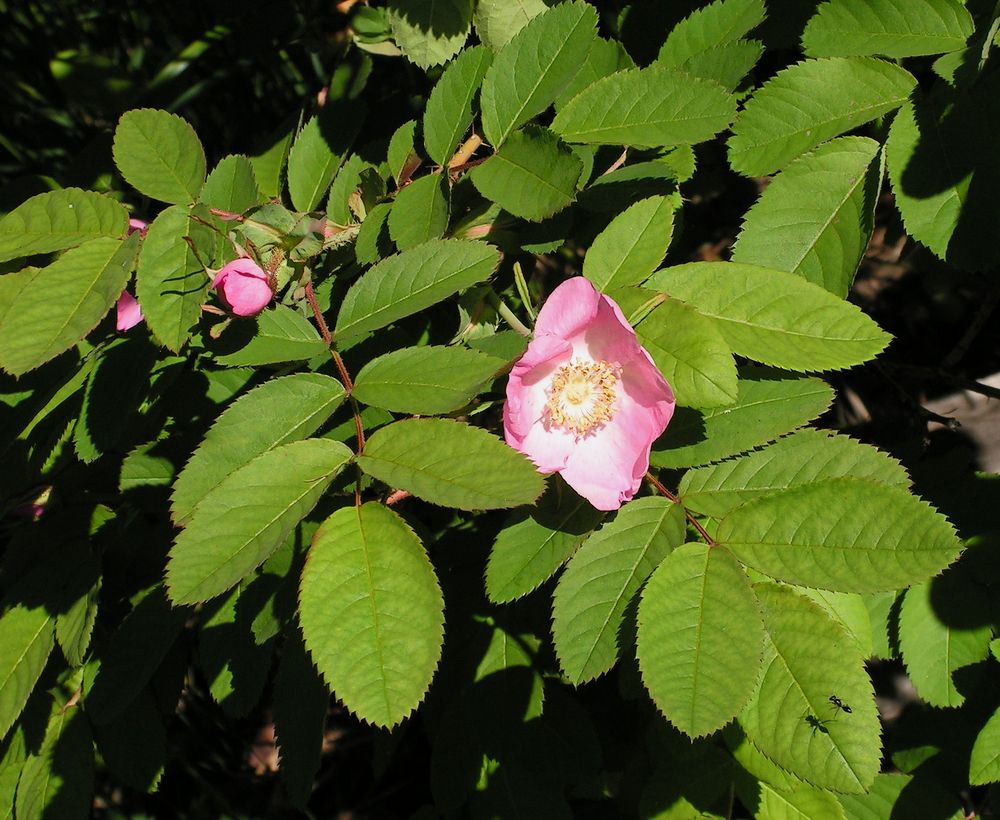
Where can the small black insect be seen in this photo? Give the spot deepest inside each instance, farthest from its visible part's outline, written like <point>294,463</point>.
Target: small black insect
<point>817,724</point>
<point>839,704</point>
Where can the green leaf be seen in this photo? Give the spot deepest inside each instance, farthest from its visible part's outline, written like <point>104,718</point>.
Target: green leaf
<point>801,458</point>
<point>28,637</point>
<point>726,64</point>
<point>277,412</point>
<point>816,217</point>
<point>372,612</point>
<point>424,380</point>
<point>646,108</point>
<point>45,311</point>
<point>601,580</point>
<point>719,24</point>
<point>632,246</point>
<point>892,28</point>
<point>412,281</point>
<point>534,67</point>
<point>159,155</point>
<point>984,765</point>
<point>900,795</point>
<point>420,211</point>
<point>135,652</point>
<point>301,701</point>
<point>810,102</point>
<point>534,543</point>
<point>605,57</point>
<point>499,20</point>
<point>533,175</point>
<point>248,515</point>
<point>849,610</point>
<point>402,155</point>
<point>449,107</point>
<point>940,155</point>
<point>318,151</point>
<point>60,219</point>
<point>232,186</point>
<point>775,317</point>
<point>171,283</point>
<point>452,464</point>
<point>944,625</point>
<point>373,242</point>
<point>700,638</point>
<point>767,405</point>
<point>430,32</point>
<point>58,780</point>
<point>270,162</point>
<point>691,354</point>
<point>807,658</point>
<point>799,802</point>
<point>283,335</point>
<point>842,534</point>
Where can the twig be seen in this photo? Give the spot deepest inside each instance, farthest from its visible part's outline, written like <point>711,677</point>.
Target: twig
<point>671,497</point>
<point>318,315</point>
<point>464,152</point>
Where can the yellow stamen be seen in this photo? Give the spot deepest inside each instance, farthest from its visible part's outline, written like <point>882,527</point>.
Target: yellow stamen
<point>582,396</point>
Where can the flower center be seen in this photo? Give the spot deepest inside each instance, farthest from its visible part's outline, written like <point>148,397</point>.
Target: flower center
<point>582,396</point>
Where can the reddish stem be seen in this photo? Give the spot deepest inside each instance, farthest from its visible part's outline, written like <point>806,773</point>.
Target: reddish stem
<point>318,316</point>
<point>671,497</point>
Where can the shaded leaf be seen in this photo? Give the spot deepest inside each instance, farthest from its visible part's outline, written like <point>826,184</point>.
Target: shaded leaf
<point>283,335</point>
<point>371,612</point>
<point>232,186</point>
<point>499,20</point>
<point>719,24</point>
<point>318,151</point>
<point>984,765</point>
<point>58,780</point>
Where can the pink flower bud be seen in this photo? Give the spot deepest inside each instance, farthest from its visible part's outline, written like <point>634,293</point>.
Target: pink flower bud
<point>137,225</point>
<point>129,312</point>
<point>244,288</point>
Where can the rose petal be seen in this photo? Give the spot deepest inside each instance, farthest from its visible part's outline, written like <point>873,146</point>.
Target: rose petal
<point>526,394</point>
<point>128,310</point>
<point>569,309</point>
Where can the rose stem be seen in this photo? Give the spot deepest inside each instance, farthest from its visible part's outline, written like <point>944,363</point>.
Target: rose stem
<point>671,497</point>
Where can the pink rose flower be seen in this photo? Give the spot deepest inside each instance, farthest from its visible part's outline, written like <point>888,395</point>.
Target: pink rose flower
<point>585,400</point>
<point>243,286</point>
<point>129,312</point>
